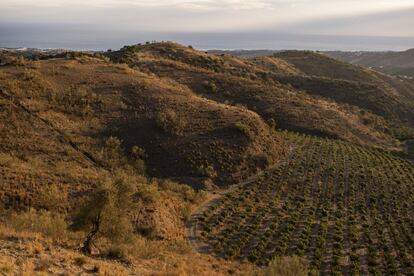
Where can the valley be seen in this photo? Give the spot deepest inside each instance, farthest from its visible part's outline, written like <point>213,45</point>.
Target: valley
<point>242,165</point>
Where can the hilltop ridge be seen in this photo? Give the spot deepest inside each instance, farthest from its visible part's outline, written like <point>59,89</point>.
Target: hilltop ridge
<point>285,90</point>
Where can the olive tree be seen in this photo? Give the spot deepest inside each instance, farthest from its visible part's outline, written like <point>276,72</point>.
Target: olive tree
<point>104,214</point>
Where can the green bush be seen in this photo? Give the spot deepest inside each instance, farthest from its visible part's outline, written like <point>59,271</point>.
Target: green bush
<point>207,171</point>
<point>244,129</point>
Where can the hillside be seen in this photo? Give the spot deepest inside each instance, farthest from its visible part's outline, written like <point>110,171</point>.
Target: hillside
<point>67,122</point>
<point>235,81</point>
<point>347,209</point>
<point>394,63</point>
<point>381,94</point>
<point>389,97</point>
<point>160,116</point>
<point>162,152</point>
<point>386,96</point>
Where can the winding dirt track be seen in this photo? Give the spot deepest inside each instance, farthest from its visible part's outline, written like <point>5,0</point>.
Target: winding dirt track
<point>193,229</point>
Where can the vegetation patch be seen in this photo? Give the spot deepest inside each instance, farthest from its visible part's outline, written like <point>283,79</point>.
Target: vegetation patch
<point>328,202</point>
<point>170,122</point>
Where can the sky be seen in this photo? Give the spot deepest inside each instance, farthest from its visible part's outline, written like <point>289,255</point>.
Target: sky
<point>119,19</point>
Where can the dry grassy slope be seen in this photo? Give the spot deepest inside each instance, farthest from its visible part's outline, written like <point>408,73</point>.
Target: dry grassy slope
<point>384,95</point>
<point>55,115</point>
<point>276,65</point>
<point>127,104</point>
<point>366,96</point>
<point>316,64</point>
<point>23,253</point>
<point>33,156</point>
<point>231,80</point>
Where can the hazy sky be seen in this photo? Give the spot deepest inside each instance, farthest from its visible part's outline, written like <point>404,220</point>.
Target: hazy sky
<point>305,17</point>
<point>192,15</point>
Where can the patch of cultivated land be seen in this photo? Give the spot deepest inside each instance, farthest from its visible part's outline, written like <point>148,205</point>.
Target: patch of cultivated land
<point>345,208</point>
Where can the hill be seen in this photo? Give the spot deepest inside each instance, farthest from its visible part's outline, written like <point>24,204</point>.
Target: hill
<point>231,80</point>
<point>162,117</point>
<point>68,121</point>
<point>379,93</point>
<point>347,209</point>
<point>388,97</point>
<point>394,63</point>
<point>151,137</point>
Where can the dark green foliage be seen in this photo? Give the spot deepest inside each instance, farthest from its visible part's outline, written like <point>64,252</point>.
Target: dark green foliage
<point>307,208</point>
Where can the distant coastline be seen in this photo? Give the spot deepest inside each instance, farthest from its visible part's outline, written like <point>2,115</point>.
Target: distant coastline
<point>77,37</point>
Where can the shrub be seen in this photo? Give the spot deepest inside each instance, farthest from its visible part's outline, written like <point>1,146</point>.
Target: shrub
<point>210,86</point>
<point>20,61</point>
<point>43,222</point>
<point>79,100</point>
<point>138,154</point>
<point>170,122</point>
<point>113,154</point>
<point>272,124</point>
<point>148,193</point>
<point>186,192</point>
<point>287,266</point>
<point>244,129</point>
<point>207,171</point>
<point>118,251</point>
<point>51,197</point>
<point>30,74</point>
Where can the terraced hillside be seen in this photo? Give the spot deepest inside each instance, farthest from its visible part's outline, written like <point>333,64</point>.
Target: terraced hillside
<point>346,208</point>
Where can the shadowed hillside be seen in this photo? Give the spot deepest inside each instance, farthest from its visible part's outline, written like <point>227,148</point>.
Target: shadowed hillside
<point>68,122</point>
<point>90,100</point>
<point>395,63</point>
<point>237,81</point>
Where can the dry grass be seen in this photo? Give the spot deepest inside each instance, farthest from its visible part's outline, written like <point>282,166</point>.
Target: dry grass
<point>9,160</point>
<point>287,266</point>
<point>42,222</point>
<point>257,84</point>
<point>31,254</point>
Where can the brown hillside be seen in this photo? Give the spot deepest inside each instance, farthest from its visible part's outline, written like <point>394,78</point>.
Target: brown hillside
<point>231,80</point>
<point>57,119</point>
<point>89,100</point>
<point>276,65</point>
<point>381,94</point>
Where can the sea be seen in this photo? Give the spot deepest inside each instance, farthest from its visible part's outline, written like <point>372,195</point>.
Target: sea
<point>80,37</point>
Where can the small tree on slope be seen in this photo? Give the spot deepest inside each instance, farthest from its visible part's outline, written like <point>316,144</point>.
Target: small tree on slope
<point>104,213</point>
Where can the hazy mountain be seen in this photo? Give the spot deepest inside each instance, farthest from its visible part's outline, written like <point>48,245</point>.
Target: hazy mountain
<point>395,63</point>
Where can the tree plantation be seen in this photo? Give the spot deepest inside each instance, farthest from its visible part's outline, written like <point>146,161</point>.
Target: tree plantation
<point>347,209</point>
